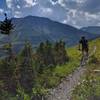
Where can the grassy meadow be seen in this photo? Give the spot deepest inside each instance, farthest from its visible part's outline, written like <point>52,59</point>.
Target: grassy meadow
<point>89,88</point>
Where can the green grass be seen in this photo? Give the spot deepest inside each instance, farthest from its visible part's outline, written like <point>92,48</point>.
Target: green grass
<point>69,67</point>
<point>90,85</point>
<point>53,78</point>
<point>97,44</point>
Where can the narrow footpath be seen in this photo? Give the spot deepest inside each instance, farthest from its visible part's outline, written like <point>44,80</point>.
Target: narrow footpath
<point>64,90</point>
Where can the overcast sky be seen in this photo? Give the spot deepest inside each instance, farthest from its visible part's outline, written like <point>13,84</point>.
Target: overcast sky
<point>78,13</point>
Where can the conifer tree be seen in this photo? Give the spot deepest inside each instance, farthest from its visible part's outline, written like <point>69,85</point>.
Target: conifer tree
<point>45,57</point>
<point>49,58</point>
<point>7,70</point>
<point>25,72</point>
<point>40,60</point>
<point>60,53</point>
<point>6,27</point>
<point>56,53</point>
<point>8,64</point>
<point>63,52</point>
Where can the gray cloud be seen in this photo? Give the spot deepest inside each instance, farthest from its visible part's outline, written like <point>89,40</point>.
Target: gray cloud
<point>92,6</point>
<point>73,12</point>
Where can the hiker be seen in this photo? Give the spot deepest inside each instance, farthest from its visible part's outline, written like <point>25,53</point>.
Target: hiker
<point>84,45</point>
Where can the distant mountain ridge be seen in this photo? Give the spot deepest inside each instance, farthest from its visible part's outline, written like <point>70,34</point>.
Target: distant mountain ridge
<point>37,29</point>
<point>92,29</point>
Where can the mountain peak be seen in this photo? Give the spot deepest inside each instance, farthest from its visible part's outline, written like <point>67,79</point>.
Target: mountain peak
<point>36,17</point>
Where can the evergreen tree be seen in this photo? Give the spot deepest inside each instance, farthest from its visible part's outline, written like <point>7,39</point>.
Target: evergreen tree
<point>49,58</point>
<point>7,70</point>
<point>25,72</point>
<point>8,64</point>
<point>45,56</point>
<point>56,53</point>
<point>63,53</point>
<point>6,27</point>
<point>40,59</point>
<point>60,53</point>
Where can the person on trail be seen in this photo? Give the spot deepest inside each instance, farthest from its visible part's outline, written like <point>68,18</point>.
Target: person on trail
<point>83,45</point>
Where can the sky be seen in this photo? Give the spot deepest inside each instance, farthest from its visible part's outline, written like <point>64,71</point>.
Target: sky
<point>78,13</point>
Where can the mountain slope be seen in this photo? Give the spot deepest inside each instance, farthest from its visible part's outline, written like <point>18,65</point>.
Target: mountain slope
<point>37,29</point>
<point>92,29</point>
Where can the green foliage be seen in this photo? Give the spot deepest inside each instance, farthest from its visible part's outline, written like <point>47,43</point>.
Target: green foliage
<point>4,95</point>
<point>7,69</point>
<point>24,72</point>
<point>6,26</point>
<point>93,59</point>
<point>38,90</point>
<point>44,55</point>
<point>60,54</point>
<point>22,95</point>
<point>66,69</point>
<point>49,55</point>
<point>34,77</point>
<point>89,88</point>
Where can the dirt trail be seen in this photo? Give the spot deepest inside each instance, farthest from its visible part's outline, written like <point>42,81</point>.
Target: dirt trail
<point>64,90</point>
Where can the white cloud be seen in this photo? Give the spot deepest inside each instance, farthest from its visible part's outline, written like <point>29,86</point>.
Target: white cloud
<point>72,12</point>
<point>79,1</point>
<point>46,11</point>
<point>81,18</point>
<point>30,3</point>
<point>1,11</point>
<point>9,3</point>
<point>17,14</point>
<point>65,21</point>
<point>62,3</point>
<point>53,2</point>
<point>18,6</point>
<point>89,16</point>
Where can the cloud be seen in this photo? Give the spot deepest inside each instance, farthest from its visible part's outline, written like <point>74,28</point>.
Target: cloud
<point>9,3</point>
<point>1,14</point>
<point>79,12</point>
<point>44,11</point>
<point>60,2</point>
<point>81,18</point>
<point>30,3</point>
<point>92,6</point>
<point>18,6</point>
<point>17,14</point>
<point>1,11</point>
<point>13,4</point>
<point>79,1</point>
<point>53,2</point>
<point>73,12</point>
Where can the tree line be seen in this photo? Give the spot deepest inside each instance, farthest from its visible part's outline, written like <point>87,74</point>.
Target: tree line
<point>50,55</point>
